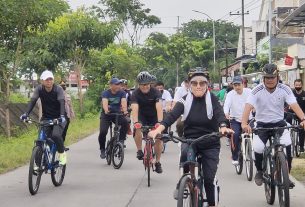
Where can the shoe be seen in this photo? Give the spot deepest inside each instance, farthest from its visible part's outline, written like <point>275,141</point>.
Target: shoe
<point>158,168</point>
<point>103,154</point>
<point>291,184</point>
<point>62,158</point>
<point>235,162</point>
<point>259,178</point>
<point>140,155</point>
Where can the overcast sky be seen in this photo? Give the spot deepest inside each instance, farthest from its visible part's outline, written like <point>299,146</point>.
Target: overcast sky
<point>168,10</point>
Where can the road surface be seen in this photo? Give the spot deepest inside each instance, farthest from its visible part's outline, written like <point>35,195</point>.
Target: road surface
<point>89,182</point>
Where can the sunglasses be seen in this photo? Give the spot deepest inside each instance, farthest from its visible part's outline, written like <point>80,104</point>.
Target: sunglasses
<point>201,83</point>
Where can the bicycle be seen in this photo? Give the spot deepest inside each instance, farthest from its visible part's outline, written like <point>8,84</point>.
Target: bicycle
<point>149,155</point>
<point>294,133</point>
<point>44,158</point>
<point>275,168</point>
<point>115,148</point>
<point>245,155</point>
<point>190,188</point>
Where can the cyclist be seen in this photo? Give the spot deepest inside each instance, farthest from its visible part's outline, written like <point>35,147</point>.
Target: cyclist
<point>268,99</point>
<point>166,97</point>
<point>202,114</point>
<point>53,107</point>
<point>299,93</point>
<point>146,110</point>
<point>124,85</point>
<point>233,109</point>
<point>69,109</point>
<point>113,101</point>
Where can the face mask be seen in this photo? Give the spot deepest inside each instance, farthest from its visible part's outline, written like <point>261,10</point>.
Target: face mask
<point>64,87</point>
<point>161,91</point>
<point>298,88</point>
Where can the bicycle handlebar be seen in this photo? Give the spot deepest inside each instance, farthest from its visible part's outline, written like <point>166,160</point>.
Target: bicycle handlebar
<point>255,130</point>
<point>44,123</point>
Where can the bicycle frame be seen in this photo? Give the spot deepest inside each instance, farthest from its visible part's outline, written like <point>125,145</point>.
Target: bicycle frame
<point>246,138</point>
<point>149,142</point>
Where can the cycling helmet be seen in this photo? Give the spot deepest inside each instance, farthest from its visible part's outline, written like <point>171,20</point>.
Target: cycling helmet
<point>124,81</point>
<point>270,70</point>
<point>153,79</point>
<point>197,72</point>
<point>144,77</point>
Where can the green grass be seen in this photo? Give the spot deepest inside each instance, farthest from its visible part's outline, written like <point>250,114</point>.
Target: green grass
<point>16,152</point>
<point>298,168</point>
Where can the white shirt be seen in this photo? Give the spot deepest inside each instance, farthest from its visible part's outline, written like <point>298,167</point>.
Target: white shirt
<point>181,91</point>
<point>166,97</point>
<point>235,103</point>
<point>270,106</point>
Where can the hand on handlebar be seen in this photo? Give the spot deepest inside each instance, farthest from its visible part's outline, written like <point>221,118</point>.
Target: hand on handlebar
<point>225,130</point>
<point>137,125</point>
<point>246,128</point>
<point>154,133</point>
<point>303,124</point>
<point>24,117</point>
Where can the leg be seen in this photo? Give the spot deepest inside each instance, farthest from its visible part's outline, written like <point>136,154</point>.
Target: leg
<point>301,139</point>
<point>138,138</point>
<point>235,146</point>
<point>124,127</point>
<point>210,160</point>
<point>57,137</point>
<point>64,134</point>
<point>259,143</point>
<point>104,126</point>
<point>158,149</point>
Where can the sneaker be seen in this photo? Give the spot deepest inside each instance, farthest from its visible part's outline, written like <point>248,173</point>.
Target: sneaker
<point>62,158</point>
<point>103,154</point>
<point>158,167</point>
<point>140,155</point>
<point>259,178</point>
<point>235,162</point>
<point>291,184</point>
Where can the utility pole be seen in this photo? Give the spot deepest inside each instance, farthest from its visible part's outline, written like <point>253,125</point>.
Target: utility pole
<point>177,58</point>
<point>270,30</point>
<point>226,41</point>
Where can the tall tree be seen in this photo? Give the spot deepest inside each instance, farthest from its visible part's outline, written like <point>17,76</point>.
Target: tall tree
<point>130,14</point>
<point>17,21</point>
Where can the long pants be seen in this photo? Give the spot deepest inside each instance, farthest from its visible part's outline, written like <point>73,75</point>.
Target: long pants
<point>235,142</point>
<point>55,132</point>
<point>64,133</point>
<point>105,121</point>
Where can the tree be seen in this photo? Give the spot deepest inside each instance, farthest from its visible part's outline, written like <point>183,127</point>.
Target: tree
<point>129,14</point>
<point>17,21</point>
<point>202,52</point>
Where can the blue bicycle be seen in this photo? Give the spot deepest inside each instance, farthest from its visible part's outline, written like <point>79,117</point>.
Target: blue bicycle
<point>44,158</point>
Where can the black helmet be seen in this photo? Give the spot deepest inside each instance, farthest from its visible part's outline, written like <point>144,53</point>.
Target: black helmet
<point>124,81</point>
<point>144,77</point>
<point>198,72</point>
<point>270,70</point>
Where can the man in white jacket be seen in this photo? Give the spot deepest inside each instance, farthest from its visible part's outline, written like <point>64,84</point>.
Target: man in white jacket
<point>233,108</point>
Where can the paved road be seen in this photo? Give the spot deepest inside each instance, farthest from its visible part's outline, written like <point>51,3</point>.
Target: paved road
<point>90,182</point>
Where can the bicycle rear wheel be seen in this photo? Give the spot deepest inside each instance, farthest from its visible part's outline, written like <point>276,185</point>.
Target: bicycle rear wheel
<point>249,160</point>
<point>297,145</point>
<point>269,181</point>
<point>58,172</point>
<point>293,144</point>
<point>282,177</point>
<point>35,169</point>
<point>117,155</point>
<point>186,197</point>
<point>239,167</point>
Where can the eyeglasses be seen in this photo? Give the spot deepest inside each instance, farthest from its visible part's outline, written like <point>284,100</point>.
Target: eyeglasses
<point>201,83</point>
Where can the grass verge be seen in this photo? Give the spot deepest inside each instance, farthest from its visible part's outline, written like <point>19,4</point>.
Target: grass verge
<point>298,168</point>
<point>17,151</point>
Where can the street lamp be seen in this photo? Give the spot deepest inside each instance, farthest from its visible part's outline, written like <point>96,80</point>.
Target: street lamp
<point>214,40</point>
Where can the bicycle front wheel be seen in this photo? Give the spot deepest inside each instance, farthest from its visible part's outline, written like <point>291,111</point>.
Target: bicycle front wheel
<point>58,172</point>
<point>269,181</point>
<point>147,164</point>
<point>186,197</point>
<point>117,155</point>
<point>297,145</point>
<point>35,169</point>
<point>282,177</point>
<point>249,160</point>
<point>239,167</point>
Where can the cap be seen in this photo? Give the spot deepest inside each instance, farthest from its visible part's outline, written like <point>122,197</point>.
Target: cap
<point>46,74</point>
<point>237,79</point>
<point>115,81</point>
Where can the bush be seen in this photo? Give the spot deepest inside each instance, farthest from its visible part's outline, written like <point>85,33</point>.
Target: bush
<point>18,98</point>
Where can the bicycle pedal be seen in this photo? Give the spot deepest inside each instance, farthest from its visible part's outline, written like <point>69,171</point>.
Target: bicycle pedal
<point>67,149</point>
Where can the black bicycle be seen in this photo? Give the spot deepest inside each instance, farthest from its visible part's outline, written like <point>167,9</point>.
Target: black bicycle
<point>190,191</point>
<point>275,167</point>
<point>44,158</point>
<point>115,148</point>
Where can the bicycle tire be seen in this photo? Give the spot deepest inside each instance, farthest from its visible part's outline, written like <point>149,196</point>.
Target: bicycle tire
<point>297,146</point>
<point>269,184</point>
<point>58,172</point>
<point>249,160</point>
<point>36,161</point>
<point>293,144</point>
<point>117,152</point>
<point>239,167</point>
<point>108,153</point>
<point>282,177</point>
<point>186,191</point>
<point>147,163</point>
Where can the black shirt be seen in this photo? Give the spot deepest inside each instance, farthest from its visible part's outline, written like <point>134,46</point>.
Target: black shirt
<point>53,102</point>
<point>147,102</point>
<point>300,99</point>
<point>197,123</point>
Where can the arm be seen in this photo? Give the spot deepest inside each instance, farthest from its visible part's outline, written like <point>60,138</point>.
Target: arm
<point>218,111</point>
<point>105,105</point>
<point>245,118</point>
<point>297,110</point>
<point>61,100</point>
<point>135,112</point>
<point>124,105</point>
<point>33,100</point>
<point>159,111</point>
<point>227,105</point>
